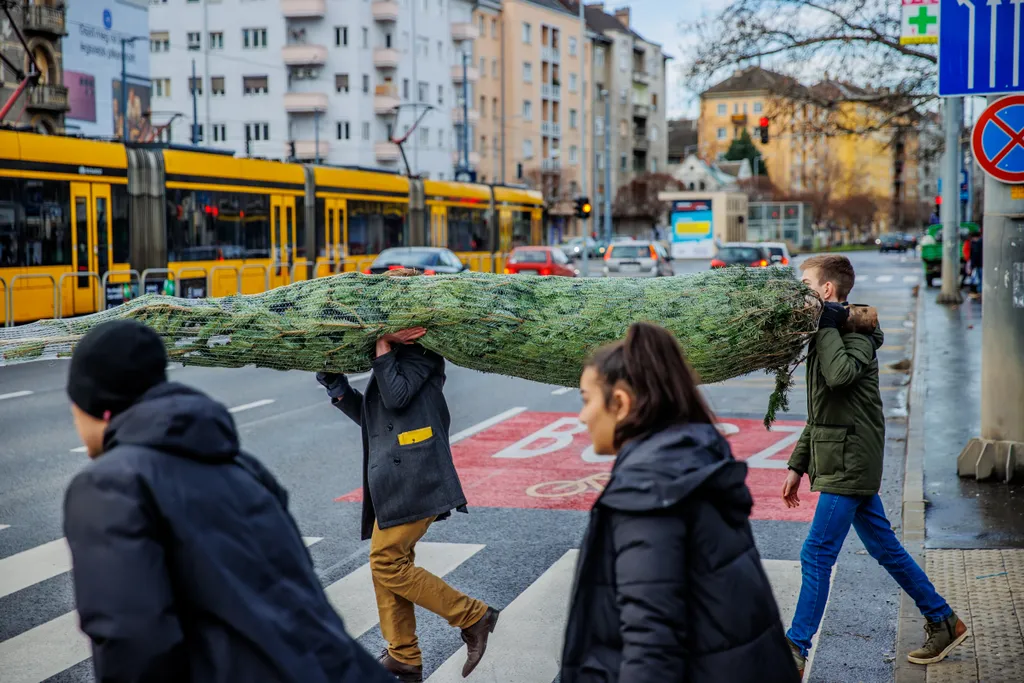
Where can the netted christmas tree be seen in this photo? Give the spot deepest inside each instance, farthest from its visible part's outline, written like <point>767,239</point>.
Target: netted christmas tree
<point>730,322</point>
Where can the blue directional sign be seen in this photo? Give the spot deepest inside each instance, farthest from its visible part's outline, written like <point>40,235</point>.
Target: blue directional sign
<point>979,47</point>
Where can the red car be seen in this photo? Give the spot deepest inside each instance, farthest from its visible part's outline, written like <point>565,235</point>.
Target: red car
<point>542,261</point>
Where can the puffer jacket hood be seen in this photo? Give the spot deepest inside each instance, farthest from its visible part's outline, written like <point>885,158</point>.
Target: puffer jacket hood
<point>670,466</point>
<point>177,420</point>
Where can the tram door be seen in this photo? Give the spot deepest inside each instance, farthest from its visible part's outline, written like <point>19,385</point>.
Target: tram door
<point>92,245</point>
<point>335,238</point>
<point>438,226</point>
<point>282,238</point>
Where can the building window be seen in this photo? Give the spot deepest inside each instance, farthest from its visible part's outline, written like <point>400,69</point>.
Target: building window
<point>654,165</point>
<point>216,40</point>
<point>257,131</point>
<point>572,154</point>
<point>527,110</point>
<point>162,87</point>
<point>344,130</point>
<point>254,85</point>
<point>366,84</point>
<point>624,128</point>
<point>623,96</point>
<point>527,149</point>
<point>366,130</point>
<point>483,67</point>
<point>483,106</point>
<point>573,82</point>
<point>573,114</point>
<point>598,125</point>
<point>220,132</point>
<point>440,52</point>
<point>422,90</point>
<point>253,38</point>
<point>199,131</point>
<point>494,68</point>
<point>496,148</point>
<point>159,42</point>
<point>654,133</point>
<point>654,101</point>
<point>217,85</point>
<point>572,46</point>
<point>735,107</point>
<point>527,37</point>
<point>366,38</point>
<point>623,59</point>
<point>440,95</point>
<point>599,161</point>
<point>341,83</point>
<point>527,72</point>
<point>194,40</point>
<point>195,86</point>
<point>494,28</point>
<point>722,110</point>
<point>341,36</point>
<point>758,107</point>
<point>424,136</point>
<point>599,59</point>
<point>481,17</point>
<point>721,133</point>
<point>440,139</point>
<point>623,162</point>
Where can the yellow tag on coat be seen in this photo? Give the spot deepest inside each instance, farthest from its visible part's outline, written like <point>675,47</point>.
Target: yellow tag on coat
<point>415,436</point>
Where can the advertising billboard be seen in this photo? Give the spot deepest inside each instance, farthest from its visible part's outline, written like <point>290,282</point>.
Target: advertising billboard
<point>92,50</point>
<point>693,234</point>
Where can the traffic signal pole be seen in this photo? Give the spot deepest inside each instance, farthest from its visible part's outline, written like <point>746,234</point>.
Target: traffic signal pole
<point>952,113</point>
<point>586,133</point>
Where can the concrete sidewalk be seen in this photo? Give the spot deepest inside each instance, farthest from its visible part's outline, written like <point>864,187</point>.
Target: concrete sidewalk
<point>968,536</point>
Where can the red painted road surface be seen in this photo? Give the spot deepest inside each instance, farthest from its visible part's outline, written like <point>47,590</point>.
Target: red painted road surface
<point>544,460</point>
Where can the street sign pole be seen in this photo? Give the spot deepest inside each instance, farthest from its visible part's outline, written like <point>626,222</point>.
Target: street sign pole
<point>999,452</point>
<point>952,113</point>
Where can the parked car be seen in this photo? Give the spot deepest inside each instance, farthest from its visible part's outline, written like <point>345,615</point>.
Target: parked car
<point>741,254</point>
<point>427,260</point>
<point>543,261</point>
<point>891,242</point>
<point>779,253</point>
<point>637,259</point>
<point>574,248</point>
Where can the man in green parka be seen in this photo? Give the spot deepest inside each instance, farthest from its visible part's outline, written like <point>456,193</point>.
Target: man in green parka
<point>841,451</point>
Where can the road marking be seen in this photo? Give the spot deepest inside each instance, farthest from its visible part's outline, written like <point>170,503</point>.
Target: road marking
<point>353,596</point>
<point>4,526</point>
<point>361,376</point>
<point>15,394</point>
<point>785,577</point>
<point>527,643</point>
<point>562,390</point>
<point>910,279</point>
<point>883,278</point>
<point>761,458</point>
<point>33,566</point>
<point>311,540</point>
<point>80,449</point>
<point>486,424</point>
<point>250,406</point>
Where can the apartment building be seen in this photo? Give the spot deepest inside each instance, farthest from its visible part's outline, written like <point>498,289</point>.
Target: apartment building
<point>330,81</point>
<point>42,24</point>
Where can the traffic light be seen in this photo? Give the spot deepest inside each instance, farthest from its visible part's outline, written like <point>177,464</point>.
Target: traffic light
<point>938,203</point>
<point>764,130</point>
<point>583,207</point>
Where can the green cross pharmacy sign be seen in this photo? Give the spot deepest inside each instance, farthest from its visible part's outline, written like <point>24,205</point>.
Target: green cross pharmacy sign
<point>920,22</point>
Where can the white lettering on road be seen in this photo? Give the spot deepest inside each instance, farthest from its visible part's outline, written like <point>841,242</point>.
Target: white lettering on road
<point>554,437</point>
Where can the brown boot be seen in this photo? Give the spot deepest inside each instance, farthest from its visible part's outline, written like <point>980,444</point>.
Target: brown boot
<point>407,673</point>
<point>476,637</point>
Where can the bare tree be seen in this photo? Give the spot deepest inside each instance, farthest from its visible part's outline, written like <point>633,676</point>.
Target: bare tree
<point>638,199</point>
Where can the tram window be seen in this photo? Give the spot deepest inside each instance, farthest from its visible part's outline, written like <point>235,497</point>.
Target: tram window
<point>207,226</point>
<point>467,229</point>
<point>320,228</point>
<point>300,227</point>
<point>119,223</point>
<point>82,233</point>
<point>35,223</point>
<point>522,228</point>
<point>375,226</point>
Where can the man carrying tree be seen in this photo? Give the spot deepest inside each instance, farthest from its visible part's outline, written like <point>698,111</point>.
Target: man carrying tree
<point>409,482</point>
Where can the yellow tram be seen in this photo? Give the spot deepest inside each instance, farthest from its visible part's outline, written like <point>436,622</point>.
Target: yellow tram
<point>85,224</point>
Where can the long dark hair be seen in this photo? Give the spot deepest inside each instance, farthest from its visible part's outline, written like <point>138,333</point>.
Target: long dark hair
<point>651,365</point>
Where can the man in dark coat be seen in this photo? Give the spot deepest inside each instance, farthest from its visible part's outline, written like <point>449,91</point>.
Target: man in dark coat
<point>187,564</point>
<point>669,585</point>
<point>409,482</point>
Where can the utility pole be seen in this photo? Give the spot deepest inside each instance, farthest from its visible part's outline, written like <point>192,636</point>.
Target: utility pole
<point>316,135</point>
<point>999,451</point>
<point>465,110</point>
<point>124,93</point>
<point>195,108</point>
<point>586,133</point>
<point>952,114</point>
<point>607,165</point>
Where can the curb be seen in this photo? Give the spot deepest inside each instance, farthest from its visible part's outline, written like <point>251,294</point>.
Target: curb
<point>910,623</point>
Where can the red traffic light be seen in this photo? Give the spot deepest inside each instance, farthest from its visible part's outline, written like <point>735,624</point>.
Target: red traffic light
<point>764,121</point>
<point>938,200</point>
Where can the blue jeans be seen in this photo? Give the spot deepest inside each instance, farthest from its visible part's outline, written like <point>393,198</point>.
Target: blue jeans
<point>832,520</point>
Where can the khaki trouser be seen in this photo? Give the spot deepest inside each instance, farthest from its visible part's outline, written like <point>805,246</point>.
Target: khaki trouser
<point>400,584</point>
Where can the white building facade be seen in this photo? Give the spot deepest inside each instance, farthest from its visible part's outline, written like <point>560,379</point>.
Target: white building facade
<point>333,81</point>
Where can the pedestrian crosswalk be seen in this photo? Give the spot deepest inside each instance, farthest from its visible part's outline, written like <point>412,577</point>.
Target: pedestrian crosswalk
<point>525,648</point>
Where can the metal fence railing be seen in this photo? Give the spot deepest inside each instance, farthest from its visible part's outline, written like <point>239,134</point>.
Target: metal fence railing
<point>10,288</point>
<point>59,310</point>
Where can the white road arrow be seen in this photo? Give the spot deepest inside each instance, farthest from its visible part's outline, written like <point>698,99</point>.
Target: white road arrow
<point>970,41</point>
<point>1016,41</point>
<point>994,4</point>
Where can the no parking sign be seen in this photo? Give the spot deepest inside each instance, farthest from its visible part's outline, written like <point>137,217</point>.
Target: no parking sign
<point>998,140</point>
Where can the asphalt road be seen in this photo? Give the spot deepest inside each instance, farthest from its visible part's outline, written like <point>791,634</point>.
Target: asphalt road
<point>530,480</point>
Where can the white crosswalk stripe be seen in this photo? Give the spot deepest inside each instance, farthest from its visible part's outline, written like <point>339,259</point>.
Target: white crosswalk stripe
<point>525,647</point>
<point>883,278</point>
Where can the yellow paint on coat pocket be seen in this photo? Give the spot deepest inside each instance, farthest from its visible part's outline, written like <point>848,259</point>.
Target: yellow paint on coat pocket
<point>415,436</point>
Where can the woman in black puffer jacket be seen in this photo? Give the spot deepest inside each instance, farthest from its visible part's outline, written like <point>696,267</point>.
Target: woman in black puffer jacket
<point>670,586</point>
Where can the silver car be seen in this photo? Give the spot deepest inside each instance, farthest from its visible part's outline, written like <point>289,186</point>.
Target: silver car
<point>637,259</point>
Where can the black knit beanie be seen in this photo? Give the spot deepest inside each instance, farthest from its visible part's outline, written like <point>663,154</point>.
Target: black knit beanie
<point>113,365</point>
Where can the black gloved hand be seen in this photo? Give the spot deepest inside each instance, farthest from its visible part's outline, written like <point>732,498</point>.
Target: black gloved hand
<point>336,384</point>
<point>833,315</point>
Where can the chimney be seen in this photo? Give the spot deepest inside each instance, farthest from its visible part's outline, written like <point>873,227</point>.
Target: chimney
<point>622,14</point>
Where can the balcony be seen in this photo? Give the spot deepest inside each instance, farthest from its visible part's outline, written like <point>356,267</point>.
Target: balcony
<point>305,102</point>
<point>640,111</point>
<point>46,97</point>
<point>386,58</point>
<point>641,77</point>
<point>307,151</point>
<point>472,74</point>
<point>42,19</point>
<point>474,116</point>
<point>385,99</point>
<point>549,128</point>
<point>304,9</point>
<point>385,11</point>
<point>640,141</point>
<point>304,55</point>
<point>738,119</point>
<point>550,54</point>
<point>551,164</point>
<point>386,151</point>
<point>551,92</point>
<point>464,31</point>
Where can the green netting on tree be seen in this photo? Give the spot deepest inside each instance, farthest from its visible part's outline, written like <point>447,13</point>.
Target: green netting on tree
<point>730,322</point>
